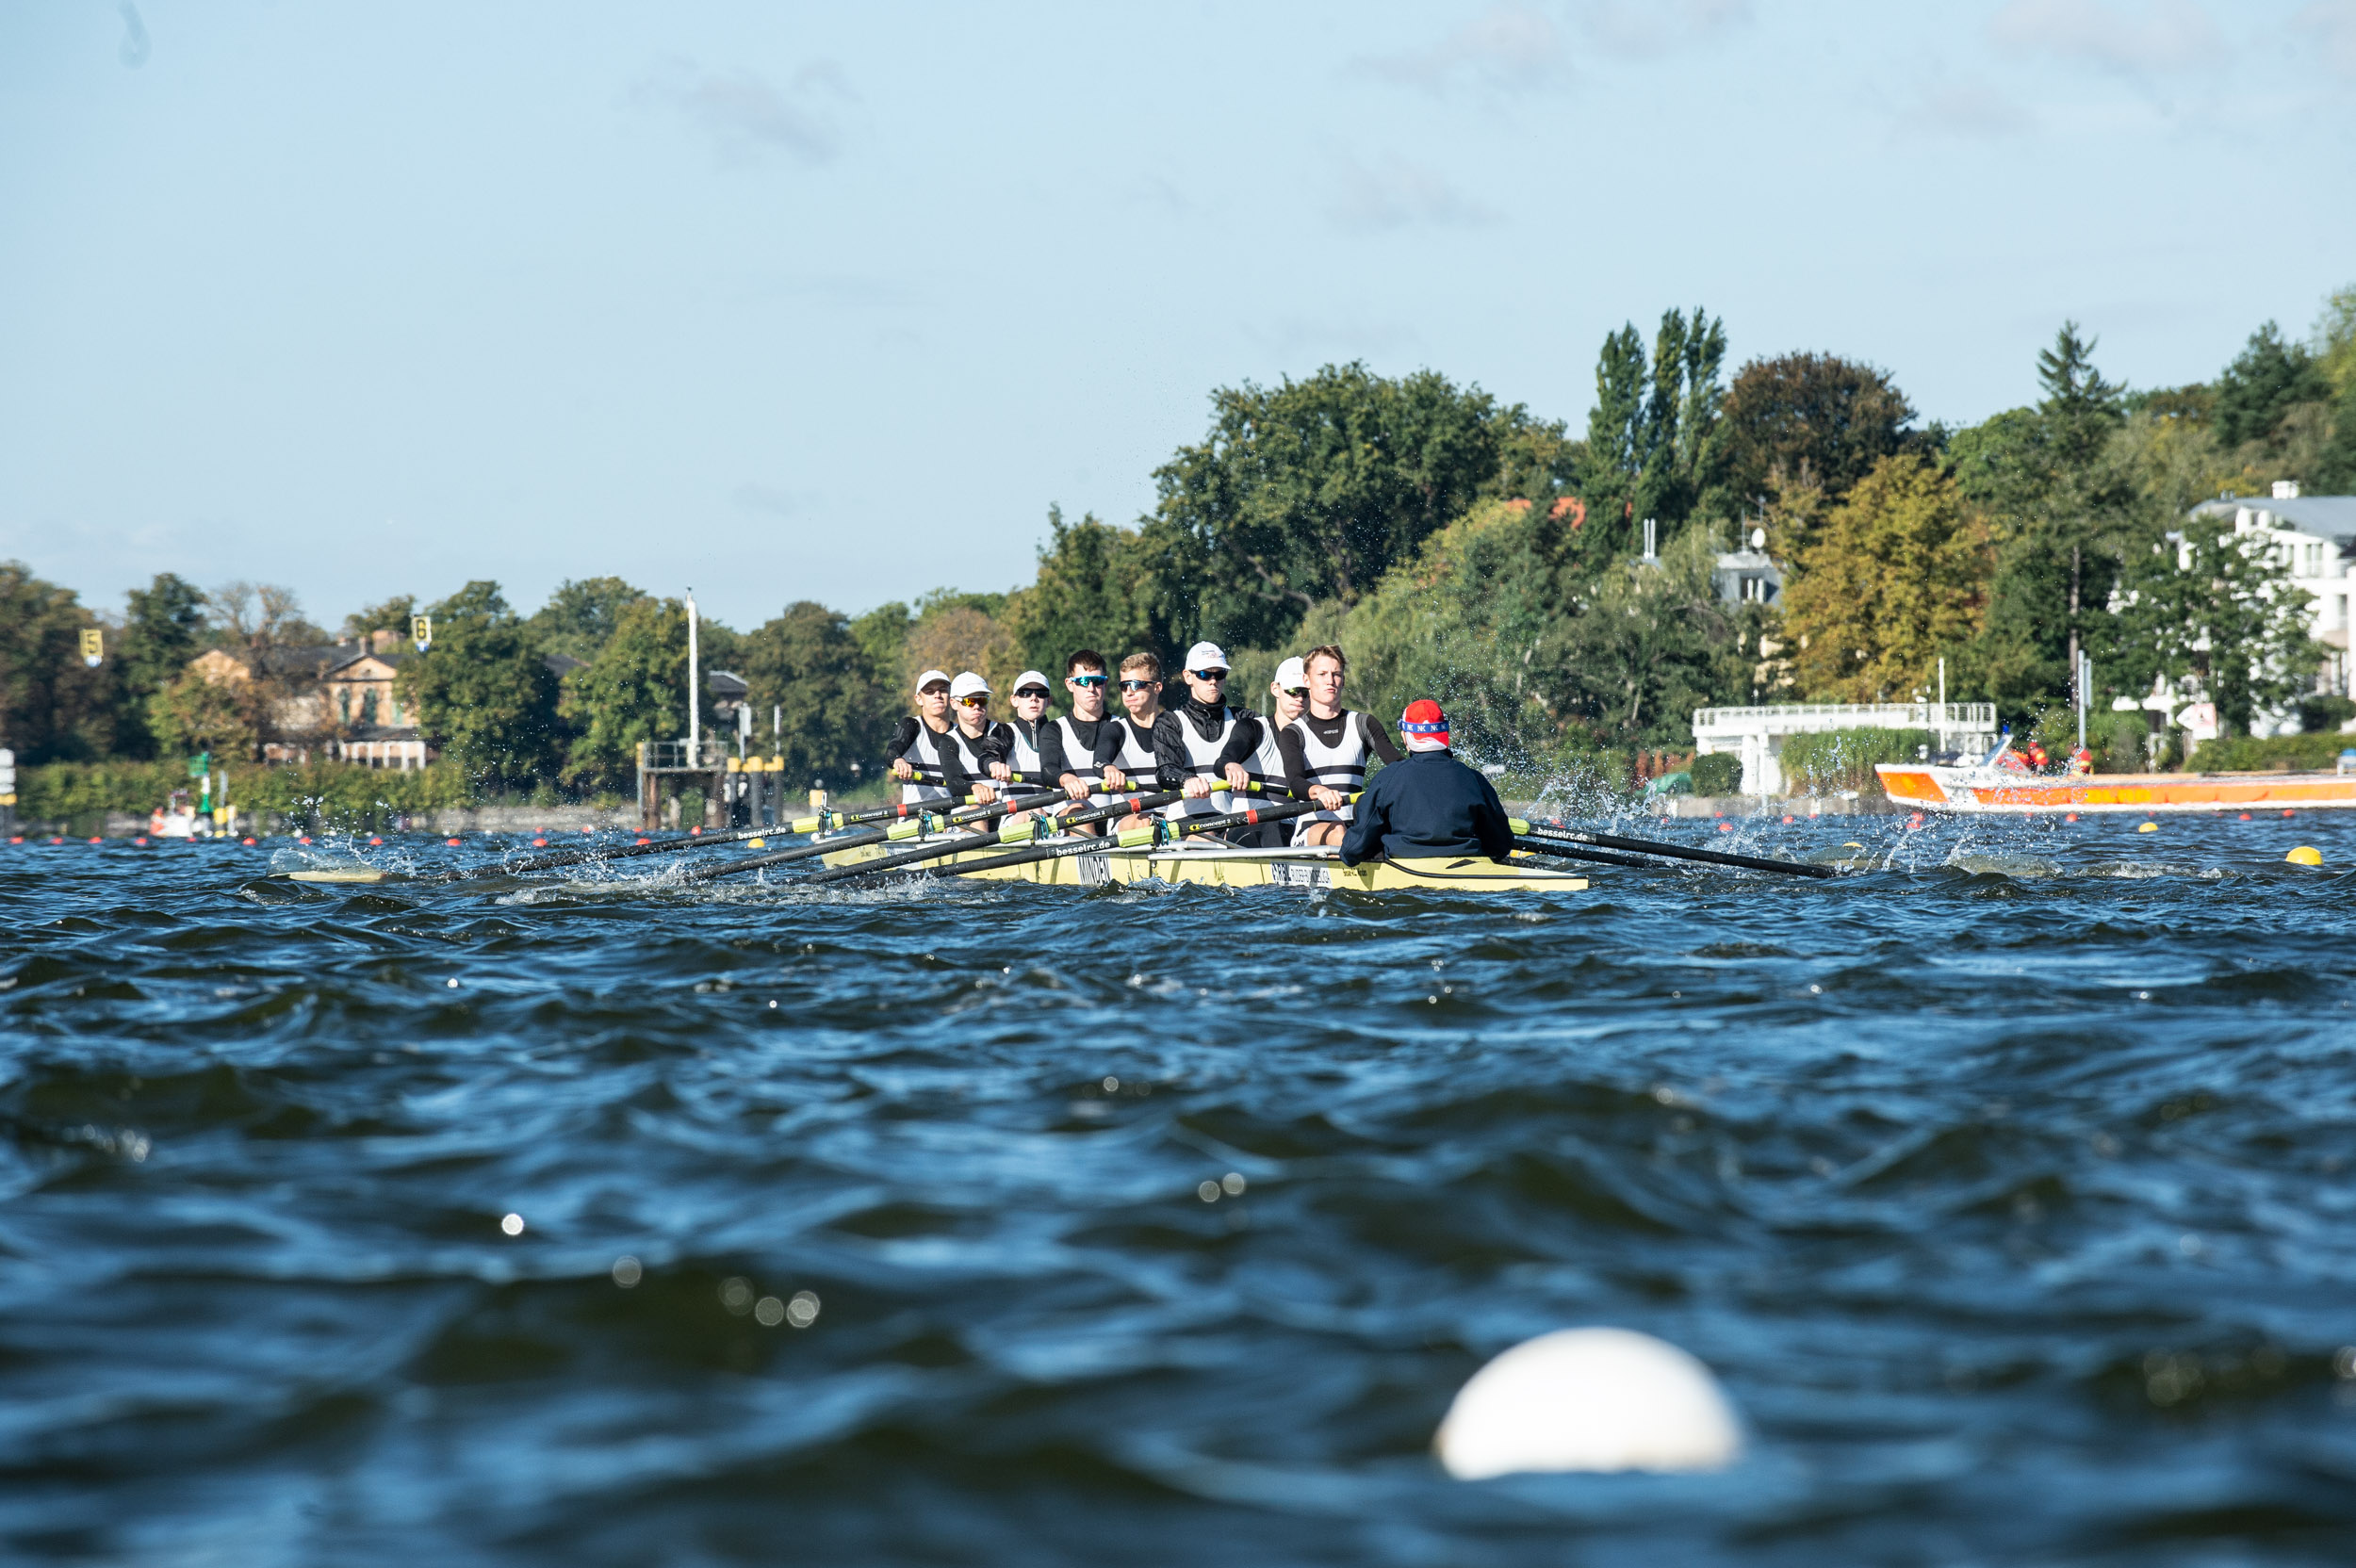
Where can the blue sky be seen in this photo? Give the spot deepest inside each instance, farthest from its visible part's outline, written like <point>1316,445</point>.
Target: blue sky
<point>786,301</point>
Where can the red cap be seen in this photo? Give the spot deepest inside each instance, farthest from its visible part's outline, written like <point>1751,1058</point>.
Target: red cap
<point>1424,722</point>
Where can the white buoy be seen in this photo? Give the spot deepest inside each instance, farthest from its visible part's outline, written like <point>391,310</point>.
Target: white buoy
<point>1588,1399</point>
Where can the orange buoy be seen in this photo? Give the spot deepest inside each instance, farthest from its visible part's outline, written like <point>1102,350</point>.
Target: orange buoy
<point>1787,821</point>
<point>452,843</point>
<point>1726,827</point>
<point>97,840</point>
<point>645,840</point>
<point>2069,816</point>
<point>2287,811</point>
<point>376,841</point>
<point>249,840</point>
<point>2245,816</point>
<point>141,840</point>
<point>539,844</point>
<point>698,832</point>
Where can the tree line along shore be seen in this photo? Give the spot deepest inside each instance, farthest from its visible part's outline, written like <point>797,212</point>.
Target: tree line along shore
<point>1455,546</point>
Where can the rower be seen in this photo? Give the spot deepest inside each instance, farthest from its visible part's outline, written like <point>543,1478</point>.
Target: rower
<point>1079,732</point>
<point>1290,689</point>
<point>918,743</point>
<point>1430,805</point>
<point>1326,749</point>
<point>1124,746</point>
<point>1204,741</point>
<point>1034,752</point>
<point>975,743</point>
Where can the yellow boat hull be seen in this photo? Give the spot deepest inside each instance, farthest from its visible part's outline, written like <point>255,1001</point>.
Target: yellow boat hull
<point>1262,868</point>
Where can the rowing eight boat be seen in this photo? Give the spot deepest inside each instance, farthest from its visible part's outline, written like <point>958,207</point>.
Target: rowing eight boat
<point>1216,865</point>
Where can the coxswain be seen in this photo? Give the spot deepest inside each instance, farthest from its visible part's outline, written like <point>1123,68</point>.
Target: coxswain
<point>1326,750</point>
<point>975,742</point>
<point>1430,805</point>
<point>917,745</point>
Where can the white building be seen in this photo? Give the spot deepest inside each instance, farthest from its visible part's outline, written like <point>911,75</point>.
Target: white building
<point>1757,734</point>
<point>2315,537</point>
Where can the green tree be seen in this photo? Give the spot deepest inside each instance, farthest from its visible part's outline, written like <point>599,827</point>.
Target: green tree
<point>1311,490</point>
<point>164,627</point>
<point>2063,507</point>
<point>2266,381</point>
<point>485,695</point>
<point>52,707</point>
<point>882,635</point>
<point>837,714</point>
<point>1898,576</point>
<point>393,615</point>
<point>580,616</point>
<point>1093,590</point>
<point>2335,472</point>
<point>2215,610</point>
<point>1818,420</point>
<point>635,689</point>
<point>1652,446</point>
<point>191,714</point>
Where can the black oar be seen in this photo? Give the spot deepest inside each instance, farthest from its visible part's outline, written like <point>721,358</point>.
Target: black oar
<point>1136,838</point>
<point>1589,856</point>
<point>1530,838</point>
<point>667,846</point>
<point>872,836</point>
<point>1031,830</point>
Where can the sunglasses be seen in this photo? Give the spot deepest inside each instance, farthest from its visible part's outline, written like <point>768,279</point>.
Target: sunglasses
<point>1084,680</point>
<point>973,702</point>
<point>1208,674</point>
<point>1300,691</point>
<point>934,692</point>
<point>1139,685</point>
<point>1038,691</point>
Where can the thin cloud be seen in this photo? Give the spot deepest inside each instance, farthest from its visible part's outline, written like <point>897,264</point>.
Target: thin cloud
<point>774,502</point>
<point>1974,110</point>
<point>134,49</point>
<point>2331,23</point>
<point>747,117</point>
<point>1398,193</point>
<point>2163,36</point>
<point>1506,48</point>
<point>1641,31</point>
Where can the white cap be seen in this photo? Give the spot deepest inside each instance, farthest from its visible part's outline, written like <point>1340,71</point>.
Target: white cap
<point>1205,656</point>
<point>966,684</point>
<point>1291,674</point>
<point>929,677</point>
<point>1032,677</point>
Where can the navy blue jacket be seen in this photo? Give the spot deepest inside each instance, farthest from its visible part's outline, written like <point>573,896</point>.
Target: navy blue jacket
<point>1428,805</point>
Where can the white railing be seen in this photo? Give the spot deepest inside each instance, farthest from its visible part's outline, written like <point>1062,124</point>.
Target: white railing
<point>1759,733</point>
<point>1816,718</point>
<point>672,755</point>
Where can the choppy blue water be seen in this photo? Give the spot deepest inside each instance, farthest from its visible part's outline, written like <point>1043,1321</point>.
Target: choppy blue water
<point>2007,1190</point>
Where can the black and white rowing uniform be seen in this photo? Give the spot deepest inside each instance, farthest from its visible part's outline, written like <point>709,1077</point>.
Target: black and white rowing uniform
<point>1122,743</point>
<point>1073,741</point>
<point>927,749</point>
<point>1197,739</point>
<point>975,753</point>
<point>1331,753</point>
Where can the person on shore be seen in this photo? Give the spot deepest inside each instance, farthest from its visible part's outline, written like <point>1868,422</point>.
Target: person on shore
<point>1326,750</point>
<point>1428,806</point>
